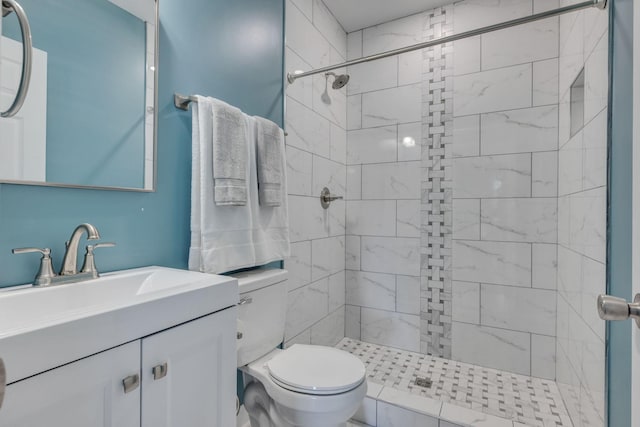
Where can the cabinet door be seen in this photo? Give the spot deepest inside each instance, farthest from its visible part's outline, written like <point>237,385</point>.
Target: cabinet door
<point>86,393</point>
<point>198,387</point>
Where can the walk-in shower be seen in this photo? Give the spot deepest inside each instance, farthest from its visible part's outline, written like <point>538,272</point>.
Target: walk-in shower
<point>465,262</point>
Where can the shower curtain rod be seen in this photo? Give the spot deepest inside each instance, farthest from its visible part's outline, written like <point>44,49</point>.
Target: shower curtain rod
<point>600,4</point>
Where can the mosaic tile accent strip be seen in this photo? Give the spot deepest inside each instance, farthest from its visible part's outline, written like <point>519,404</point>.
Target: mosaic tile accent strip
<point>436,186</point>
<point>528,400</point>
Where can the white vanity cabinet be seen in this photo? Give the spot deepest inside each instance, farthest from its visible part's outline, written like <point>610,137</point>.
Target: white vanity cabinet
<point>186,378</point>
<point>189,375</point>
<point>86,393</point>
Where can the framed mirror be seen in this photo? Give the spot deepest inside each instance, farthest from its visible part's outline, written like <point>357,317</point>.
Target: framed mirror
<point>89,118</point>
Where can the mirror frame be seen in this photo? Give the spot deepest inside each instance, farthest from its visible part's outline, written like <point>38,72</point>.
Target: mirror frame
<point>154,183</point>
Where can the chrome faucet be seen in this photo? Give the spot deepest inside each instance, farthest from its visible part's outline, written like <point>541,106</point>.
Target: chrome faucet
<point>70,261</point>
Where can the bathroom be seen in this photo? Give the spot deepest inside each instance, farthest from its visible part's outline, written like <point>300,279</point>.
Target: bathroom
<point>486,184</point>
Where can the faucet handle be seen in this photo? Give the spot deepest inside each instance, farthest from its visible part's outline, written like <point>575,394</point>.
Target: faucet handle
<point>89,265</point>
<point>45,272</point>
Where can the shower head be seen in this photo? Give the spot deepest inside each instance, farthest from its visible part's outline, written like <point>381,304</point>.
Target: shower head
<point>339,81</point>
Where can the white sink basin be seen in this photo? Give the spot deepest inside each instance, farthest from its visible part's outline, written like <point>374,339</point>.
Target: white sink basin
<point>42,328</point>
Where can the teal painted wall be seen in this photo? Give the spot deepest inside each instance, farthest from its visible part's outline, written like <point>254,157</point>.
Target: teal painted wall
<point>232,50</point>
<point>92,47</point>
<point>619,222</point>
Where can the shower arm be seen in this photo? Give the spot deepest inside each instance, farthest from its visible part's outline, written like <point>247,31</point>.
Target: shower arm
<point>600,4</point>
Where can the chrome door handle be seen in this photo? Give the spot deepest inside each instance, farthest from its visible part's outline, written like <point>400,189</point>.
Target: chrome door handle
<point>3,381</point>
<point>614,308</point>
<point>131,383</point>
<point>9,6</point>
<point>160,371</point>
<point>326,198</point>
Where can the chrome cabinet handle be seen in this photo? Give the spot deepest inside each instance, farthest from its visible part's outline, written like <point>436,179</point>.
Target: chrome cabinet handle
<point>131,383</point>
<point>614,308</point>
<point>245,300</point>
<point>160,371</point>
<point>326,198</point>
<point>3,381</point>
<point>9,6</point>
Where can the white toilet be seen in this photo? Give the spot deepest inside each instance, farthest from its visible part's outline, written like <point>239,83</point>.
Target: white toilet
<point>304,385</point>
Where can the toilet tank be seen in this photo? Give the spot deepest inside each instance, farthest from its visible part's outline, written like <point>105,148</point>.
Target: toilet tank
<point>261,313</point>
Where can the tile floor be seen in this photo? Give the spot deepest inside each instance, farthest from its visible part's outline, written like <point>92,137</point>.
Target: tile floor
<point>519,398</point>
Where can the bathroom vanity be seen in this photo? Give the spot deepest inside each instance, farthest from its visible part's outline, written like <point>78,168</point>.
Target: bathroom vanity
<point>144,347</point>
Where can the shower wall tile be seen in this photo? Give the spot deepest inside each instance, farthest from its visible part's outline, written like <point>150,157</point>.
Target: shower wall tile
<point>299,265</point>
<point>518,309</point>
<point>545,82</point>
<point>543,356</point>
<point>354,182</point>
<point>402,104</point>
<point>389,328</point>
<point>530,42</point>
<point>352,321</point>
<point>466,136</point>
<point>395,255</point>
<point>544,174</point>
<point>371,217</point>
<point>328,256</point>
<point>354,45</point>
<point>472,14</point>
<point>326,23</point>
<point>466,219</point>
<point>520,131</point>
<point>503,263</point>
<point>492,176</point>
<point>519,220</point>
<point>367,77</point>
<point>582,208</point>
<point>352,261</point>
<point>466,302</point>
<point>466,54</point>
<point>544,260</point>
<point>391,181</point>
<point>372,145</point>
<point>408,218</point>
<point>316,148</point>
<point>354,112</point>
<point>373,290</point>
<point>392,35</point>
<point>492,347</point>
<point>409,137</point>
<point>495,90</point>
<point>410,68</point>
<point>307,130</point>
<point>408,294</point>
<point>299,176</point>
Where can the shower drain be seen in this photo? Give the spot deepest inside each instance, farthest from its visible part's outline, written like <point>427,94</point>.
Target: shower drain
<point>424,382</point>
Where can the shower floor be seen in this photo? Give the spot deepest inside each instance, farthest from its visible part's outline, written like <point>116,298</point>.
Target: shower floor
<point>527,400</point>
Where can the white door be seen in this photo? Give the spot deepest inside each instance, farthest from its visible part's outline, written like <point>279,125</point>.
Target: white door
<point>86,393</point>
<point>23,151</point>
<point>195,374</point>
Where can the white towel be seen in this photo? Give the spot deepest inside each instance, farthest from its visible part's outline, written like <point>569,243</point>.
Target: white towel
<point>269,146</point>
<point>221,236</point>
<point>270,223</point>
<point>230,141</point>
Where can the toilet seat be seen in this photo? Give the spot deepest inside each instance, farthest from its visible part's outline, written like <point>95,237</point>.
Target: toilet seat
<point>316,370</point>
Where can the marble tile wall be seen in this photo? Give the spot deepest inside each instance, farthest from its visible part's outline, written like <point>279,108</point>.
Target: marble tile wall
<point>582,180</point>
<point>384,122</point>
<point>316,156</point>
<point>505,206</point>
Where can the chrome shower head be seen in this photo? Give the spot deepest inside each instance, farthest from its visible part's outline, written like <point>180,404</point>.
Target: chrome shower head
<point>339,81</point>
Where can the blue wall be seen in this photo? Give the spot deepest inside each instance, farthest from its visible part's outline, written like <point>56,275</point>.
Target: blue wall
<point>92,47</point>
<point>619,260</point>
<point>232,50</point>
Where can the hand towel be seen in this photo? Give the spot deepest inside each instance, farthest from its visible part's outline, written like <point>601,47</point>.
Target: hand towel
<point>269,146</point>
<point>230,141</point>
<point>221,236</point>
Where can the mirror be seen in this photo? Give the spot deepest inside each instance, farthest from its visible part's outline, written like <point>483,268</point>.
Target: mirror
<point>89,119</point>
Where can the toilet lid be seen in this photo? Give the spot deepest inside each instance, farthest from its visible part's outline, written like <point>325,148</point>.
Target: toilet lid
<point>314,369</point>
